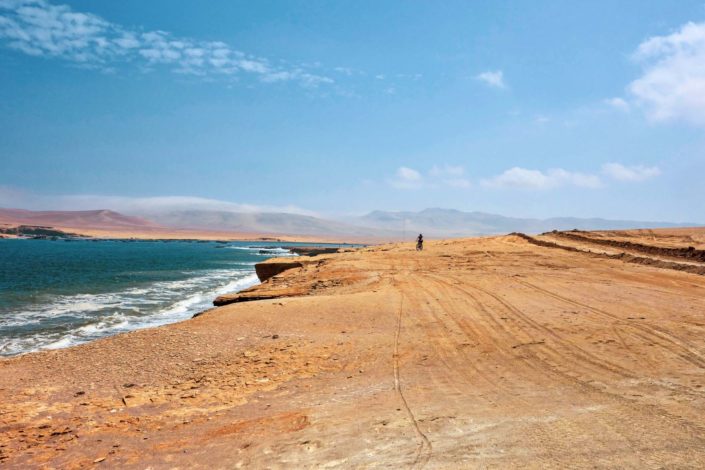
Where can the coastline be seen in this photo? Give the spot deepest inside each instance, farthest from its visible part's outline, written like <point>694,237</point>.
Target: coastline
<point>385,356</point>
<point>165,233</point>
<point>90,312</point>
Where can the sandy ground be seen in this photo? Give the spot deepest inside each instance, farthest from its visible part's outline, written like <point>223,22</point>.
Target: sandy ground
<point>666,237</point>
<point>477,353</point>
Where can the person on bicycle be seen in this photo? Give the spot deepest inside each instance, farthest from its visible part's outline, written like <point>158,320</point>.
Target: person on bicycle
<point>419,242</point>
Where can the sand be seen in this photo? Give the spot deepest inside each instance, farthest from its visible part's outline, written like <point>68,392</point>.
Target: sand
<point>487,352</point>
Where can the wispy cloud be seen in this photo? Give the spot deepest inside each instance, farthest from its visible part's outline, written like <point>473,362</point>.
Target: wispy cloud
<point>39,28</point>
<point>672,87</point>
<point>493,78</point>
<point>522,178</point>
<point>618,104</point>
<point>406,178</point>
<point>450,176</point>
<point>439,176</point>
<point>620,172</point>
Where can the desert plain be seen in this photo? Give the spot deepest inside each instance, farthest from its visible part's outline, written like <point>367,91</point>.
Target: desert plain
<point>565,350</point>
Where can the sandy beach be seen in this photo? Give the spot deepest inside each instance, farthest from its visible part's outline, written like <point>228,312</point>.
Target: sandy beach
<point>488,352</point>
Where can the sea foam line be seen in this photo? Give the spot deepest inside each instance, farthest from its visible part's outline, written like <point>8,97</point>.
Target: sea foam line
<point>123,311</point>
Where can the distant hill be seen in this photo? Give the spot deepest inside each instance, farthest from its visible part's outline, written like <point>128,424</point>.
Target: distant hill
<point>97,219</point>
<point>265,222</point>
<point>435,223</point>
<point>455,223</point>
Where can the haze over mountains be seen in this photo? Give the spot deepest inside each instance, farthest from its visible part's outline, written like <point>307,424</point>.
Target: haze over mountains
<point>454,223</point>
<point>262,222</point>
<point>434,223</point>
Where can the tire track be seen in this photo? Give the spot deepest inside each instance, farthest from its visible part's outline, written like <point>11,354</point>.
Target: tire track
<point>544,438</point>
<point>697,432</point>
<point>425,450</point>
<point>571,348</point>
<point>679,346</point>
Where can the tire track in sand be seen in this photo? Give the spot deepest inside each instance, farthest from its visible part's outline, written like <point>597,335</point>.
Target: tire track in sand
<point>425,450</point>
<point>666,340</point>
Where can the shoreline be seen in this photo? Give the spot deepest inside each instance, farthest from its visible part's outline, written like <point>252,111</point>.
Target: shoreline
<point>252,279</point>
<point>89,305</point>
<point>387,356</point>
<point>166,233</point>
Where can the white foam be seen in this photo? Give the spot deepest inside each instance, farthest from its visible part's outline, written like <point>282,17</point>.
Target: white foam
<point>106,314</point>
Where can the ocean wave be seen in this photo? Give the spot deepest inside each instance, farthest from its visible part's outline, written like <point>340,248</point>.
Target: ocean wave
<point>75,319</point>
<point>264,250</point>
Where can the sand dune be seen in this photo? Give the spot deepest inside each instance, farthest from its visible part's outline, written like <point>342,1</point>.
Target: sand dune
<point>488,352</point>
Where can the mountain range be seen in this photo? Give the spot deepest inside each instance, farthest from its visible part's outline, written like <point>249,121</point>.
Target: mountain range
<point>434,223</point>
<point>76,219</point>
<point>454,223</point>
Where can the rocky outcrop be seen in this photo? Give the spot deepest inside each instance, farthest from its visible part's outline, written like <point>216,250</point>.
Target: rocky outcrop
<point>256,293</point>
<point>274,266</point>
<point>271,288</point>
<point>32,231</point>
<point>311,250</point>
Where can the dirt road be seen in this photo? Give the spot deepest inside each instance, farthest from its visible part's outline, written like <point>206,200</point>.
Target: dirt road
<point>488,352</point>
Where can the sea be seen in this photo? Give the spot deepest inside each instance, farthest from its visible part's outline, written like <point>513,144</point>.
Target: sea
<point>58,293</point>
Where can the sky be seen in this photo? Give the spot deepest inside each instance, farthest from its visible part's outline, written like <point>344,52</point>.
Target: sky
<point>336,108</point>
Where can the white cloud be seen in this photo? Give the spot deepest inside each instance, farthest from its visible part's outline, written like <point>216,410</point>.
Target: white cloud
<point>406,178</point>
<point>522,178</point>
<point>450,176</point>
<point>438,176</point>
<point>493,78</point>
<point>617,103</point>
<point>620,172</point>
<point>39,28</point>
<point>15,198</point>
<point>672,87</point>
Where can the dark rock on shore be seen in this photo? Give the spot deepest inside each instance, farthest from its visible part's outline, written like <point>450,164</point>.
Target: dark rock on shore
<point>273,267</point>
<point>311,250</point>
<point>36,232</point>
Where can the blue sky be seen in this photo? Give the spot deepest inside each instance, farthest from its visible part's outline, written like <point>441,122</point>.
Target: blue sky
<point>524,108</point>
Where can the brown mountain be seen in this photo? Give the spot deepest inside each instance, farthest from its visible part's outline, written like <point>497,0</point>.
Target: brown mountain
<point>103,219</point>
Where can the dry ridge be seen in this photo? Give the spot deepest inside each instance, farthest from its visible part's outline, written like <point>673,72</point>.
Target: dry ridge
<point>487,352</point>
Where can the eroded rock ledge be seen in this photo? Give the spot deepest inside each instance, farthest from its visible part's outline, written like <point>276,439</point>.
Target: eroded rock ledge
<point>266,270</point>
<point>274,266</point>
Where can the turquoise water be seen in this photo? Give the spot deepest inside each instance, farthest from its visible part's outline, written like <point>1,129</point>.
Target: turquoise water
<point>58,293</point>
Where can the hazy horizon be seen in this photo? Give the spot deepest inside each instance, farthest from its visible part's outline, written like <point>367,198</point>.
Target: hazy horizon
<point>339,109</point>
